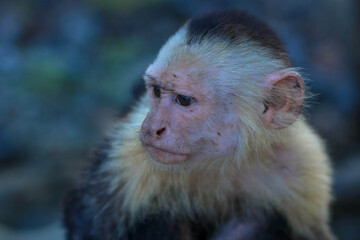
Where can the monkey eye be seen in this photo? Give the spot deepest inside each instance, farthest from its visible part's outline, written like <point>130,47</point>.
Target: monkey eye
<point>157,91</point>
<point>184,100</point>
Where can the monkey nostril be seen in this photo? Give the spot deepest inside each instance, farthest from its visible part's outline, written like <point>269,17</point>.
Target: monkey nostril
<point>160,131</point>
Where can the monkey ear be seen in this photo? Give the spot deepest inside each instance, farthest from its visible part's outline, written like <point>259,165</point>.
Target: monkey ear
<point>285,92</point>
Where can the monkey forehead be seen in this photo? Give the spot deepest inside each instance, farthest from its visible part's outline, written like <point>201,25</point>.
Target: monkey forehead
<point>217,57</point>
<point>176,78</point>
<point>177,53</point>
<point>177,63</point>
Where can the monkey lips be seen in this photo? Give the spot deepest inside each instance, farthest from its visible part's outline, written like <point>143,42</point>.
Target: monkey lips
<point>165,156</point>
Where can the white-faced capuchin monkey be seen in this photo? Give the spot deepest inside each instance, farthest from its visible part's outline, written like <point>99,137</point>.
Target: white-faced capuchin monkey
<point>217,149</point>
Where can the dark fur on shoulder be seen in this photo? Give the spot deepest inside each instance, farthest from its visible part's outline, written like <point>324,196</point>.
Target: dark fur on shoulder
<point>87,212</point>
<point>83,224</point>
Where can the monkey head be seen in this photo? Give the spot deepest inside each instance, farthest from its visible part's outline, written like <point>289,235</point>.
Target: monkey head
<point>213,90</point>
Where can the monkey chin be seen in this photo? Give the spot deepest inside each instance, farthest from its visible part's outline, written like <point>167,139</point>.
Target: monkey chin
<point>166,157</point>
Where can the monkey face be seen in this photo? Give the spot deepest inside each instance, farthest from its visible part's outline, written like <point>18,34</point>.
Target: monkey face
<point>185,122</point>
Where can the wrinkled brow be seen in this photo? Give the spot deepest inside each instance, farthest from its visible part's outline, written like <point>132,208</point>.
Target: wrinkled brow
<point>150,80</point>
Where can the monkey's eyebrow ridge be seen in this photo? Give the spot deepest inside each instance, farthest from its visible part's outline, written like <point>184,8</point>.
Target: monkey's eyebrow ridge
<point>150,79</point>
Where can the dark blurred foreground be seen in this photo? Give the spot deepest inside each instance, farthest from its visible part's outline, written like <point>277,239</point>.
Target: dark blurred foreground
<point>67,67</point>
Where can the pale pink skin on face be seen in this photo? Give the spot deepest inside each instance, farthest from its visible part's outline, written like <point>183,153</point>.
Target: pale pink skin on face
<point>173,133</point>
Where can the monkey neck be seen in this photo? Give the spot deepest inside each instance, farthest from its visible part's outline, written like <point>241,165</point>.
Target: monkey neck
<point>146,188</point>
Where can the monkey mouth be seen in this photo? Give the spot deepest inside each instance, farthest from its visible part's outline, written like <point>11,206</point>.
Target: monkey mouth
<point>165,156</point>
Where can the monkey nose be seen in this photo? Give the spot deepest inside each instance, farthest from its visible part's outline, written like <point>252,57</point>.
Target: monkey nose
<point>160,131</point>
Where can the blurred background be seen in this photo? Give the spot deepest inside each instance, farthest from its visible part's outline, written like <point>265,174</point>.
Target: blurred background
<point>68,67</point>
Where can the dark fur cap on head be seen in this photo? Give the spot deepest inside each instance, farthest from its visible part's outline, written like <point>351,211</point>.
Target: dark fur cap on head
<point>235,26</point>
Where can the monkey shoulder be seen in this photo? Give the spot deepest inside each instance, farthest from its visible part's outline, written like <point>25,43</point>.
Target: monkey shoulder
<point>93,210</point>
<point>81,205</point>
<point>296,180</point>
